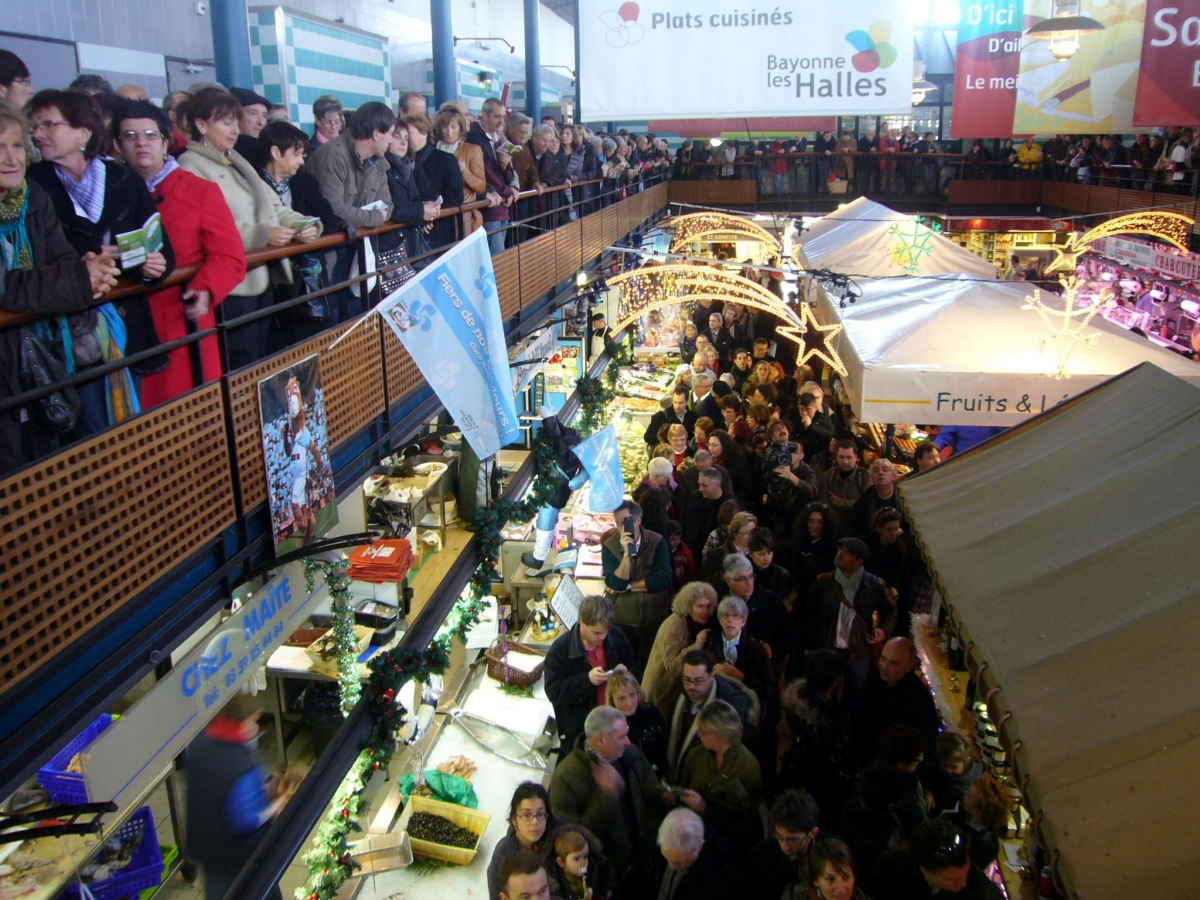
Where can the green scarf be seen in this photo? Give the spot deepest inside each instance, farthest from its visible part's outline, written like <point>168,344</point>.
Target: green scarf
<point>18,253</point>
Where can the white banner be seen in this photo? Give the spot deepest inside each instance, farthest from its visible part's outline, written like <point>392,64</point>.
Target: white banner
<point>719,59</point>
<point>448,318</point>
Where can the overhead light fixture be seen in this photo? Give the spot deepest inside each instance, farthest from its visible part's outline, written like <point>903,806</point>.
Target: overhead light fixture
<point>714,142</point>
<point>920,86</point>
<point>480,45</point>
<point>1064,27</point>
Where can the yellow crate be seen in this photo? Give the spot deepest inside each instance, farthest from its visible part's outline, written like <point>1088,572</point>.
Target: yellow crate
<point>471,819</point>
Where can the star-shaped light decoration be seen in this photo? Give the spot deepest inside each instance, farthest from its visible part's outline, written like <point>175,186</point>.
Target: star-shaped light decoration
<point>825,352</point>
<point>1166,226</point>
<point>1067,334</point>
<point>913,243</point>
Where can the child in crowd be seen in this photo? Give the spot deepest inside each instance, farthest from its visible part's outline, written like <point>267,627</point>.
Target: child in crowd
<point>683,564</point>
<point>956,771</point>
<point>571,855</point>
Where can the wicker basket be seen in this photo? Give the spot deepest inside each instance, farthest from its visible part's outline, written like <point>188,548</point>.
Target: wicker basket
<point>470,819</point>
<point>507,674</point>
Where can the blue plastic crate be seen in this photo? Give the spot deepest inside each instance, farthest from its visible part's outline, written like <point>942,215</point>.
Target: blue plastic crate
<point>145,869</point>
<point>64,786</point>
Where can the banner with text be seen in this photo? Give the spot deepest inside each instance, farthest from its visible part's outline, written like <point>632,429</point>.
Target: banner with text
<point>1092,87</point>
<point>1168,91</point>
<point>657,60</point>
<point>986,64</point>
<point>448,319</point>
<point>601,456</point>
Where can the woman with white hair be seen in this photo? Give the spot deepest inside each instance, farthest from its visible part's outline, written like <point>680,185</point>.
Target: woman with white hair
<point>738,655</point>
<point>722,780</point>
<point>687,628</point>
<point>694,862</point>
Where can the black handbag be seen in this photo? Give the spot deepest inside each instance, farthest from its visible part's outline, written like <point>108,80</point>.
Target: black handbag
<point>397,256</point>
<point>38,367</point>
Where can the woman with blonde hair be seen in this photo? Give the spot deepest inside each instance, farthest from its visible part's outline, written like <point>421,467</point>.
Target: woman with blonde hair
<point>685,629</point>
<point>451,128</point>
<point>722,780</point>
<point>647,730</point>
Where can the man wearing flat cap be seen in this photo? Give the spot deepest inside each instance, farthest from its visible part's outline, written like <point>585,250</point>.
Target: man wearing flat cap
<point>849,610</point>
<point>255,109</point>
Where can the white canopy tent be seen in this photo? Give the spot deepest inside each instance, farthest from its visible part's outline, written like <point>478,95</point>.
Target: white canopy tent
<point>858,239</point>
<point>957,351</point>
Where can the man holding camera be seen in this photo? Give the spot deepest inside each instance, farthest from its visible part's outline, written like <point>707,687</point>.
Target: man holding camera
<point>791,485</point>
<point>637,574</point>
<point>814,431</point>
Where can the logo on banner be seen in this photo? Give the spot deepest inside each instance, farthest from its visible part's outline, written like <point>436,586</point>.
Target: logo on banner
<point>622,24</point>
<point>874,51</point>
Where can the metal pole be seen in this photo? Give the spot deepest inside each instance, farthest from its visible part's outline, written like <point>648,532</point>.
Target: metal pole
<point>578,71</point>
<point>445,77</point>
<point>533,61</point>
<point>231,43</point>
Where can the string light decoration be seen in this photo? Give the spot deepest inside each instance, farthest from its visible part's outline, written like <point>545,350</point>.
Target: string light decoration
<point>825,352</point>
<point>697,226</point>
<point>1067,335</point>
<point>914,241</point>
<point>1166,226</point>
<point>654,287</point>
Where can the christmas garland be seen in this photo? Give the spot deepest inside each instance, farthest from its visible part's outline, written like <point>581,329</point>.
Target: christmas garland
<point>345,638</point>
<point>596,393</point>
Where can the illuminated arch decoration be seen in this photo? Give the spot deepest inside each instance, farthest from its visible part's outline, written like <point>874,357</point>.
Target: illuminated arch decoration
<point>654,287</point>
<point>1166,226</point>
<point>699,226</point>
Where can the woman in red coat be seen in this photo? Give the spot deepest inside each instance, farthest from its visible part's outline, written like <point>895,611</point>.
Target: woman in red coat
<point>202,231</point>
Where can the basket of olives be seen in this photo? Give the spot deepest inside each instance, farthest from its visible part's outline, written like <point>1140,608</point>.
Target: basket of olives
<point>443,831</point>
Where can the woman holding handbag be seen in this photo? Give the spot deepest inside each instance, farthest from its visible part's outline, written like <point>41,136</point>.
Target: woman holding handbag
<point>96,200</point>
<point>40,273</point>
<point>201,228</point>
<point>396,247</point>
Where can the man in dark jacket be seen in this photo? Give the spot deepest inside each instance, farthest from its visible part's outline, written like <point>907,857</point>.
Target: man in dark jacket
<point>694,861</point>
<point>788,490</point>
<point>607,785</point>
<point>849,610</point>
<point>780,862</point>
<point>936,865</point>
<point>700,514</point>
<point>676,413</point>
<point>841,485</point>
<point>718,335</point>
<point>868,823</point>
<point>814,431</point>
<point>689,479</point>
<point>894,694</point>
<point>486,133</point>
<point>704,404</point>
<point>579,664</point>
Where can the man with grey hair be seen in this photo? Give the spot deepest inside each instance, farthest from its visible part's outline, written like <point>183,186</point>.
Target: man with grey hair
<point>607,785</point>
<point>637,574</point>
<point>413,103</point>
<point>486,133</point>
<point>579,664</point>
<point>704,404</point>
<point>694,862</point>
<point>689,479</point>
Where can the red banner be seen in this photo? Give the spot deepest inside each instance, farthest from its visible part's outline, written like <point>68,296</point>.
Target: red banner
<point>986,64</point>
<point>1168,91</point>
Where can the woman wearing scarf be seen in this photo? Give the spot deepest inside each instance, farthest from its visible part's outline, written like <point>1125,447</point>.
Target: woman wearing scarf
<point>581,166</point>
<point>40,273</point>
<point>262,221</point>
<point>407,209</point>
<point>451,128</point>
<point>201,229</point>
<point>437,176</point>
<point>97,199</point>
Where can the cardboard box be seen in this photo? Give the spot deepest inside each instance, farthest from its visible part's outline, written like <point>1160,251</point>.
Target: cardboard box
<point>378,853</point>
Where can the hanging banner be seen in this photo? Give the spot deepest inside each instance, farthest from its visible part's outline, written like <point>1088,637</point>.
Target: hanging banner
<point>710,59</point>
<point>1168,91</point>
<point>448,319</point>
<point>986,65</point>
<point>600,455</point>
<point>1091,89</point>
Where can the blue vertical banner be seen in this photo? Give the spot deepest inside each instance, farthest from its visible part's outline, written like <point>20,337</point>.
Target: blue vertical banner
<point>448,319</point>
<point>600,455</point>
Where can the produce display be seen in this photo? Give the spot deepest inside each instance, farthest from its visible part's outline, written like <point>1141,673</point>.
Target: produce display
<point>436,829</point>
<point>462,766</point>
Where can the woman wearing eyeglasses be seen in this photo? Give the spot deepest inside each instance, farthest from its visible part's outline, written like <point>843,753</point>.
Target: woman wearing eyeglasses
<point>722,780</point>
<point>200,227</point>
<point>532,826</point>
<point>97,199</point>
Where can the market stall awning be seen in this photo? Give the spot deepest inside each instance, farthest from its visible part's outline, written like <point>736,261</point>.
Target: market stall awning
<point>1067,550</point>
<point>868,238</point>
<point>958,351</point>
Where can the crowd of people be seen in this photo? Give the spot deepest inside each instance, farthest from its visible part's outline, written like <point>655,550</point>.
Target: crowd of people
<point>742,711</point>
<point>229,174</point>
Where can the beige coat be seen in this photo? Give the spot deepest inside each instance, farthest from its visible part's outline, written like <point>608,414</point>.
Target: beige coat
<point>255,206</point>
<point>665,667</point>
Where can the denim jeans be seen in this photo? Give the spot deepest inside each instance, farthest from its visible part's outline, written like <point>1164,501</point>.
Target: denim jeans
<point>547,516</point>
<point>497,234</point>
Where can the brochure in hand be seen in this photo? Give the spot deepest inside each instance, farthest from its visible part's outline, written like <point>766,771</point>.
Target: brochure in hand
<point>135,246</point>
